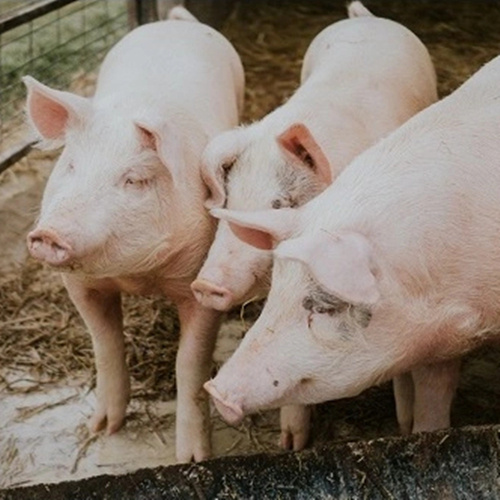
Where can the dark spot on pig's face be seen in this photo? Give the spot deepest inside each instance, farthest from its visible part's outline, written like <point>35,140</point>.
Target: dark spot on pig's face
<point>297,186</point>
<point>276,383</point>
<point>318,301</point>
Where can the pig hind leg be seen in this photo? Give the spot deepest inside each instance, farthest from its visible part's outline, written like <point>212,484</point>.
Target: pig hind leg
<point>424,396</point>
<point>101,312</point>
<point>199,328</point>
<point>404,396</point>
<point>435,387</point>
<point>295,426</point>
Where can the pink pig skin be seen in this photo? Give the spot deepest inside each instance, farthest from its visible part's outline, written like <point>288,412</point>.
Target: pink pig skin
<point>392,267</point>
<point>361,78</point>
<point>123,208</point>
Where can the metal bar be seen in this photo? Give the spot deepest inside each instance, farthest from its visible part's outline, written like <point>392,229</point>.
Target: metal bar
<point>41,26</point>
<point>30,13</point>
<point>34,11</point>
<point>14,154</point>
<point>79,36</point>
<point>145,11</point>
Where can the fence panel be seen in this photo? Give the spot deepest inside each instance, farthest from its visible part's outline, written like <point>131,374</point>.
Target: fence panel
<point>58,42</point>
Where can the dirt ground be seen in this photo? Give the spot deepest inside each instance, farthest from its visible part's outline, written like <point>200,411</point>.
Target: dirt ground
<point>46,363</point>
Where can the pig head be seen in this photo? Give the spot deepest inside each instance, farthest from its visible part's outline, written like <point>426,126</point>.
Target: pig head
<point>307,332</point>
<point>290,169</point>
<point>104,190</point>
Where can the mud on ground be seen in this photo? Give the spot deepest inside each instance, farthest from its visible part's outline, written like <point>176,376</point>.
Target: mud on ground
<point>46,361</point>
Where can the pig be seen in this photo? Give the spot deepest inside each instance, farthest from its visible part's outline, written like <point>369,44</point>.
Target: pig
<point>393,266</point>
<point>361,78</point>
<point>123,208</point>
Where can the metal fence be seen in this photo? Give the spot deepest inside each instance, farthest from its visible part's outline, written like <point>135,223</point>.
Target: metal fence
<point>61,42</point>
<point>57,42</point>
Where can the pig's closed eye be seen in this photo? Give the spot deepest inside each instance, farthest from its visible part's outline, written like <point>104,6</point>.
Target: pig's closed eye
<point>136,183</point>
<point>283,202</point>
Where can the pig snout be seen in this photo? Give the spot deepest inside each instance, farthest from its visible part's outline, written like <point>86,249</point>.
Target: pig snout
<point>231,412</point>
<point>211,295</point>
<point>47,246</point>
<point>247,383</point>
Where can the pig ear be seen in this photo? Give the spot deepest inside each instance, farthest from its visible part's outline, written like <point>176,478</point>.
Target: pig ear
<point>161,139</point>
<point>260,229</point>
<point>218,158</point>
<point>340,263</point>
<point>298,142</point>
<point>50,111</point>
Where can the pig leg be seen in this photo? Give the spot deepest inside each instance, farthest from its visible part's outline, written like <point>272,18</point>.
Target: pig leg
<point>101,312</point>
<point>199,327</point>
<point>435,387</point>
<point>404,396</point>
<point>295,424</point>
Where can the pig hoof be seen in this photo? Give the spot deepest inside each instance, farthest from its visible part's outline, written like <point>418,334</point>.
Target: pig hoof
<point>196,455</point>
<point>193,446</point>
<point>97,423</point>
<point>101,421</point>
<point>293,441</point>
<point>405,428</point>
<point>295,426</point>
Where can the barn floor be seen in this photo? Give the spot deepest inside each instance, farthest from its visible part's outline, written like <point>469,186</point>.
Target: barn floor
<point>46,364</point>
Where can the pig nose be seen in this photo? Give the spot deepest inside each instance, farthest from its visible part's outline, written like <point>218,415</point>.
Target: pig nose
<point>212,296</point>
<point>232,413</point>
<point>48,246</point>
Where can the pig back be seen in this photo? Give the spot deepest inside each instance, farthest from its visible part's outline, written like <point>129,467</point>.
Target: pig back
<point>390,54</point>
<point>427,195</point>
<point>186,63</point>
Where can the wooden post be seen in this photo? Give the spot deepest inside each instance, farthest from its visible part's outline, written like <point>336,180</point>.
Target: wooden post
<point>141,12</point>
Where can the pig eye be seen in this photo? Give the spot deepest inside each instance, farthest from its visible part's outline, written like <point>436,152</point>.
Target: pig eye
<point>284,202</point>
<point>136,183</point>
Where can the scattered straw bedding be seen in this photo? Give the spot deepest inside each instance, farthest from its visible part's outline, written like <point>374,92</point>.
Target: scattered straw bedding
<point>40,330</point>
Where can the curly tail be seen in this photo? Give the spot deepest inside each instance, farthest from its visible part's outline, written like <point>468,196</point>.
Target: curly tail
<point>357,9</point>
<point>180,13</point>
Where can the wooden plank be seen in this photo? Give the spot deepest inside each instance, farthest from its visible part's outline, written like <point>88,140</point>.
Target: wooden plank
<point>13,155</point>
<point>457,463</point>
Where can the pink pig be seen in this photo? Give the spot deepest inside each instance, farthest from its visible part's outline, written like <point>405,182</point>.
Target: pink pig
<point>123,208</point>
<point>361,78</point>
<point>395,265</point>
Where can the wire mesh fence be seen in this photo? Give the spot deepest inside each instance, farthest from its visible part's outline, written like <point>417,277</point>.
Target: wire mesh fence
<point>56,41</point>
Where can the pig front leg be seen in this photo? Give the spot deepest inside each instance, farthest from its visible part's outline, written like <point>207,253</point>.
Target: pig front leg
<point>295,425</point>
<point>101,312</point>
<point>199,327</point>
